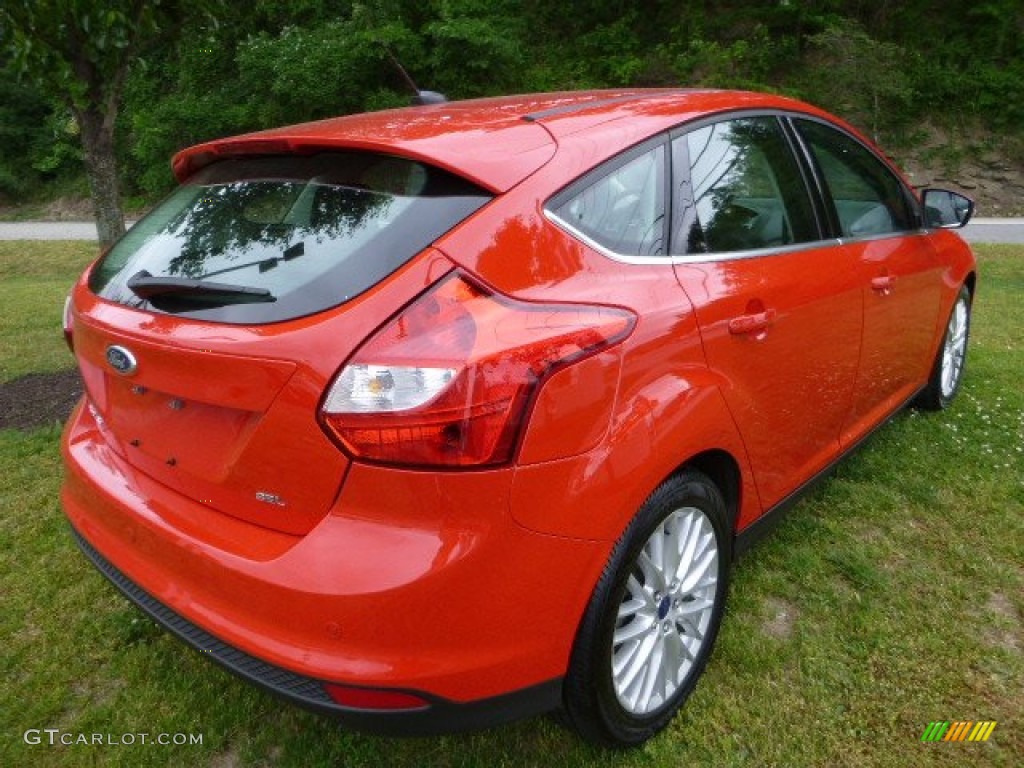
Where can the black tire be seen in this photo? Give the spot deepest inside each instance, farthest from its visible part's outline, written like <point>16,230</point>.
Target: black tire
<point>594,694</point>
<point>944,381</point>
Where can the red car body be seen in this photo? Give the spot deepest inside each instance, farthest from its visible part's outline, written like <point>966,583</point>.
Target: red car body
<point>211,487</point>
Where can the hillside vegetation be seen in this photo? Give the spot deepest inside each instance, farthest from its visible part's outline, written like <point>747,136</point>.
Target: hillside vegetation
<point>940,83</point>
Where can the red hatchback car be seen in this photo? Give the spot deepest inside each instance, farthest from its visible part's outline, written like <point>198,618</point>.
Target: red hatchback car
<point>440,416</point>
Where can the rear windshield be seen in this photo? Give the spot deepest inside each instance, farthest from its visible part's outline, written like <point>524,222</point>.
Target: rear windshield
<point>265,239</point>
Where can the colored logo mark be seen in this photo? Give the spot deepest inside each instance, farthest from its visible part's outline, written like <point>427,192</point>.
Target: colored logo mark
<point>960,730</point>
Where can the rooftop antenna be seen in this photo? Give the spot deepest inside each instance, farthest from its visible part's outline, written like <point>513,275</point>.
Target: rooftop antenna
<point>418,96</point>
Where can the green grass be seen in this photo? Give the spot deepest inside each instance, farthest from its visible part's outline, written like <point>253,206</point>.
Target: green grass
<point>35,278</point>
<point>892,597</point>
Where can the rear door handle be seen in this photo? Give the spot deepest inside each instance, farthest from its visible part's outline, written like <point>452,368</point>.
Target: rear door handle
<point>752,323</point>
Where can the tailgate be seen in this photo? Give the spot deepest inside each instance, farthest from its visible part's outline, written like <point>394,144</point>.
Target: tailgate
<point>234,432</point>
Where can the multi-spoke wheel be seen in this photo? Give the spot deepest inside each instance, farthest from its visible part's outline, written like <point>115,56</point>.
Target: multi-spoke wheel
<point>654,615</point>
<point>948,369</point>
<point>665,613</point>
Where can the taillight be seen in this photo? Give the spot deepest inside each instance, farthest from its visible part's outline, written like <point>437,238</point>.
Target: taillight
<point>68,324</point>
<point>449,381</point>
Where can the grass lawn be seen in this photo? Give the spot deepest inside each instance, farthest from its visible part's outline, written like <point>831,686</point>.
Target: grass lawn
<point>892,597</point>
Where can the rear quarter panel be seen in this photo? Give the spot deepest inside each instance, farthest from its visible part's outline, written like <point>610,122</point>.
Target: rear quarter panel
<point>586,477</point>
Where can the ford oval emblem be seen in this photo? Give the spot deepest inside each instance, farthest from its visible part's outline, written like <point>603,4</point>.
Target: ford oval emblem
<point>121,360</point>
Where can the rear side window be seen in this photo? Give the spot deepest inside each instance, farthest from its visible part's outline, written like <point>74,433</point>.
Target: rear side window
<point>266,239</point>
<point>869,199</point>
<point>623,210</point>
<point>738,187</point>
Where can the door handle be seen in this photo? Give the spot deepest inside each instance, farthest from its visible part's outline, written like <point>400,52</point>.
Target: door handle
<point>752,323</point>
<point>883,283</point>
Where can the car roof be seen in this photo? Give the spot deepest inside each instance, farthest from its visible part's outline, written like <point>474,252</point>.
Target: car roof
<point>494,142</point>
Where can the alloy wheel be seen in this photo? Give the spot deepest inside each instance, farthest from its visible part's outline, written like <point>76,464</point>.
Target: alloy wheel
<point>666,611</point>
<point>955,348</point>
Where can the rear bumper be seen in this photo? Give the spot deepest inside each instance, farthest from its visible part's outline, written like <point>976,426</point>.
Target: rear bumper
<point>440,716</point>
<point>416,582</point>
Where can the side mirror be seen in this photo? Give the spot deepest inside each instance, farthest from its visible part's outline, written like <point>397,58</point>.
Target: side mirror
<point>946,210</point>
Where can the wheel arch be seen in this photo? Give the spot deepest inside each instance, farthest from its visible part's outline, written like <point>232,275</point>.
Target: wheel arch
<point>970,281</point>
<point>596,495</point>
<point>724,471</point>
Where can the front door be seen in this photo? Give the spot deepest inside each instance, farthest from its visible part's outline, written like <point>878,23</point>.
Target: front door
<point>895,266</point>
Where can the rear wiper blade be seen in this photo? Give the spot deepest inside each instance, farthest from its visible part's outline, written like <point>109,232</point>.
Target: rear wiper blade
<point>146,286</point>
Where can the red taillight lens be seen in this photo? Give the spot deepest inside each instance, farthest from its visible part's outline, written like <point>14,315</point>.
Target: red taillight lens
<point>68,324</point>
<point>448,382</point>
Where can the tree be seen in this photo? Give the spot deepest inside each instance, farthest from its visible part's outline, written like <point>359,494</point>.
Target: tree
<point>864,79</point>
<point>22,113</point>
<point>79,52</point>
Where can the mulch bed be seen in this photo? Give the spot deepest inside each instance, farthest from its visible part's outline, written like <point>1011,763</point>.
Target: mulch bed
<point>39,399</point>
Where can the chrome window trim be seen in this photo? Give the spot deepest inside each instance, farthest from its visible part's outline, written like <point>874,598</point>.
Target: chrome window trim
<point>884,236</point>
<point>701,258</point>
<point>689,258</point>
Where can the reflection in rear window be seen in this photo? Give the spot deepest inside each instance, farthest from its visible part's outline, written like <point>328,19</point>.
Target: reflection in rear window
<point>302,233</point>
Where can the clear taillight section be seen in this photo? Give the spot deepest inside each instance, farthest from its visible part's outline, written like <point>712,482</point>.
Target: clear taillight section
<point>68,323</point>
<point>448,382</point>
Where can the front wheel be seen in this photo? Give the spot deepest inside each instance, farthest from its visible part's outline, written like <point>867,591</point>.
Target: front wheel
<point>653,617</point>
<point>948,368</point>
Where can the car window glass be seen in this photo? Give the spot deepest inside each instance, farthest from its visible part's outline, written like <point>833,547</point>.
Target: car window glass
<point>624,210</point>
<point>738,187</point>
<point>869,199</point>
<point>309,231</point>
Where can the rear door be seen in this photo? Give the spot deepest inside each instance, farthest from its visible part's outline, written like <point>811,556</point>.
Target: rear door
<point>899,274</point>
<point>779,308</point>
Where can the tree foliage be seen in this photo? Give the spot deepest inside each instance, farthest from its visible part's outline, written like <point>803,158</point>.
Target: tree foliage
<point>25,116</point>
<point>861,77</point>
<point>79,53</point>
<point>272,62</point>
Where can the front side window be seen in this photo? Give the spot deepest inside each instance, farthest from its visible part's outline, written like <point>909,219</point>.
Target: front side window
<point>265,239</point>
<point>738,187</point>
<point>624,210</point>
<point>869,199</point>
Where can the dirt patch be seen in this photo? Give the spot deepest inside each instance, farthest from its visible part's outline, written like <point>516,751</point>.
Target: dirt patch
<point>227,759</point>
<point>39,399</point>
<point>1005,631</point>
<point>998,189</point>
<point>986,167</point>
<point>782,616</point>
<point>69,209</point>
<point>61,209</point>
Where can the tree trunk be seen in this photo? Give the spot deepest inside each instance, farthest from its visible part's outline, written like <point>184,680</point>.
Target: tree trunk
<point>101,169</point>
